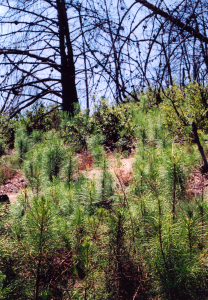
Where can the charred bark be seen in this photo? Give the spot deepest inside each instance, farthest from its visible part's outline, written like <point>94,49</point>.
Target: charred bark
<point>69,92</point>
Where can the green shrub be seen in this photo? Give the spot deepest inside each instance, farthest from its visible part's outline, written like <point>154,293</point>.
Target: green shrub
<point>3,147</point>
<point>78,130</point>
<point>54,154</point>
<point>21,142</point>
<point>184,105</point>
<point>115,124</point>
<point>7,131</point>
<point>41,117</point>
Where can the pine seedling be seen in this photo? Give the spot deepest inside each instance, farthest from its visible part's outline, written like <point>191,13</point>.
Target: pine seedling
<point>104,179</point>
<point>121,276</point>
<point>36,137</point>
<point>52,162</point>
<point>83,268</point>
<point>95,147</point>
<point>21,143</point>
<point>91,190</point>
<point>180,277</point>
<point>89,195</point>
<point>175,177</point>
<point>78,223</point>
<point>33,169</point>
<point>139,182</point>
<point>67,197</point>
<point>152,180</point>
<point>202,208</point>
<point>39,221</point>
<point>86,249</point>
<point>55,191</point>
<point>69,168</point>
<point>29,235</point>
<point>54,154</point>
<point>191,221</point>
<point>116,247</point>
<point>100,159</point>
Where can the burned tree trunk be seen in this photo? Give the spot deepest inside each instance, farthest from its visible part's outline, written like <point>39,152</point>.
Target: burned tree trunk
<point>69,92</point>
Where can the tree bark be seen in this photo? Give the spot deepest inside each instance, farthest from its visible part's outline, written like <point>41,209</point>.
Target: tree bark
<point>69,91</point>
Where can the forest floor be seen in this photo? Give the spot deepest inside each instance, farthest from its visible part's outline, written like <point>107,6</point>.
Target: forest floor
<point>197,183</point>
<point>13,186</point>
<point>121,170</point>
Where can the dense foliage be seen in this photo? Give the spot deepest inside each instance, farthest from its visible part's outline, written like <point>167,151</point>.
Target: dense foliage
<point>75,236</point>
<point>184,106</point>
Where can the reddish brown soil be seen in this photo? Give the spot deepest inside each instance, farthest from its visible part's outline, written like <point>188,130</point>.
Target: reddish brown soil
<point>84,161</point>
<point>197,183</point>
<point>13,185</point>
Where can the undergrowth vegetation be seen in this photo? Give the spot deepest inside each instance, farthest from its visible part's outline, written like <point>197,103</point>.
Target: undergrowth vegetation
<point>72,236</point>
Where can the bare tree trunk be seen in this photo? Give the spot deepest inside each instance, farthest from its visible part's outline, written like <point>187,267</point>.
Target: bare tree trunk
<point>85,63</point>
<point>69,92</point>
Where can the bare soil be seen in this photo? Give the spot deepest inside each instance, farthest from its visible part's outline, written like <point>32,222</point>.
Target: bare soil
<point>124,171</point>
<point>197,183</point>
<point>121,169</point>
<point>13,186</point>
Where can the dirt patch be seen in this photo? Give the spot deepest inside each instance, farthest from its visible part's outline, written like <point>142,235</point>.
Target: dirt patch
<point>84,161</point>
<point>13,197</point>
<point>91,174</point>
<point>124,172</point>
<point>13,186</point>
<point>197,183</point>
<point>121,168</point>
<point>6,173</point>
